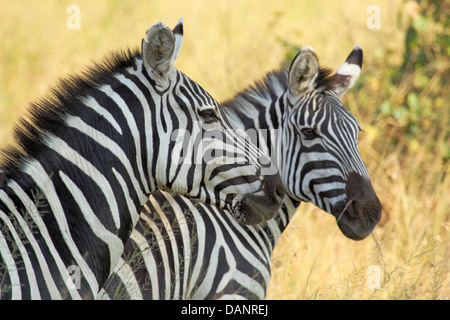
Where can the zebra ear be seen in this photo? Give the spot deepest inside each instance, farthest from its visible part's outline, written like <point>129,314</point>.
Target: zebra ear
<point>303,71</point>
<point>348,73</point>
<point>178,33</point>
<point>158,50</point>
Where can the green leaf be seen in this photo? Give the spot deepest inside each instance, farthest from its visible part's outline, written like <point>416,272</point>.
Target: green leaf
<point>420,24</point>
<point>413,101</point>
<point>385,108</point>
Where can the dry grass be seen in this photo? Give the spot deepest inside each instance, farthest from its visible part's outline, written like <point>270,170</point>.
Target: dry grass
<point>411,248</point>
<point>228,45</point>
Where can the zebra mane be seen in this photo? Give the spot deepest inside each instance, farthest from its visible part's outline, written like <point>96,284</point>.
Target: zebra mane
<point>275,83</point>
<point>326,80</point>
<point>47,114</point>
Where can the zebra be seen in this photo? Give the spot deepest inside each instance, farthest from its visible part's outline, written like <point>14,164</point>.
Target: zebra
<point>238,255</point>
<point>86,159</point>
<point>183,250</point>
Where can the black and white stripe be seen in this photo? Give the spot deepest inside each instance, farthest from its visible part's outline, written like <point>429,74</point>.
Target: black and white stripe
<point>87,158</point>
<point>182,250</point>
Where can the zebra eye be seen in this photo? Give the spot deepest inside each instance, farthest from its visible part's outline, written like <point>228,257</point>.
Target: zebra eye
<point>309,133</point>
<point>208,115</point>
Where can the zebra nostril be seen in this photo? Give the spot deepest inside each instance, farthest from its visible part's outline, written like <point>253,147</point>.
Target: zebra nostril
<point>280,191</point>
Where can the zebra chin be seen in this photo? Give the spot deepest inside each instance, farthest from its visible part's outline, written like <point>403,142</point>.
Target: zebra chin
<point>261,206</point>
<point>357,224</point>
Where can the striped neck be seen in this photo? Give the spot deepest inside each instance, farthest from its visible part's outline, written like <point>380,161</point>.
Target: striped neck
<point>258,110</point>
<point>76,147</point>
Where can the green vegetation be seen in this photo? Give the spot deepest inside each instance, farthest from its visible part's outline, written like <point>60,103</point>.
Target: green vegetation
<point>404,110</point>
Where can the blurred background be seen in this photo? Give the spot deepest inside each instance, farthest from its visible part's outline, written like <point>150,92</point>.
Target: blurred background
<point>401,100</point>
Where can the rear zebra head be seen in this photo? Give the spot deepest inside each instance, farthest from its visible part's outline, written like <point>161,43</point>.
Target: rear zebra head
<point>322,164</point>
<point>201,155</point>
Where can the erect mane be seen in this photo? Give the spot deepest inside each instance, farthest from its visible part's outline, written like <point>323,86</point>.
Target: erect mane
<point>274,84</point>
<point>326,80</point>
<point>47,115</point>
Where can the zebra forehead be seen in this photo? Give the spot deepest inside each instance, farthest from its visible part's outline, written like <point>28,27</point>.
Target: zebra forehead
<point>345,117</point>
<point>330,108</point>
<point>200,92</point>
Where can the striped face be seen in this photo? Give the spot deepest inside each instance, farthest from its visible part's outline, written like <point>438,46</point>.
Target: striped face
<point>200,154</point>
<point>321,163</point>
<point>322,139</point>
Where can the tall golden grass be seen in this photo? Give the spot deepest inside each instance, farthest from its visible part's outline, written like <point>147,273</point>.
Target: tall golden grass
<point>227,46</point>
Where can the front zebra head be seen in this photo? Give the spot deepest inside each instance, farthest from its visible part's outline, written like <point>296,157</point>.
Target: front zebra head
<point>322,163</point>
<point>200,154</point>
